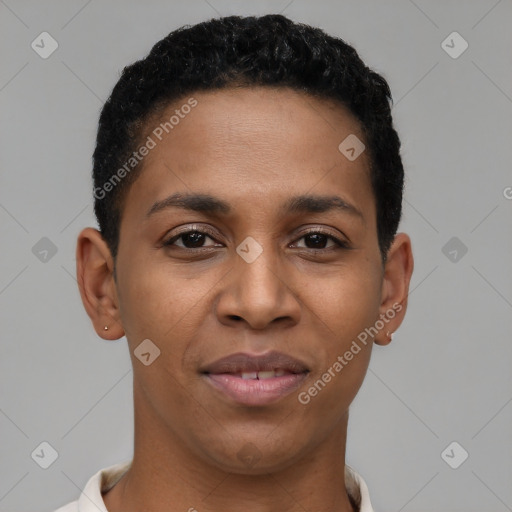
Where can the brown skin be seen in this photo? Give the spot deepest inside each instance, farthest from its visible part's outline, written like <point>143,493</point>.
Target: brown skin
<point>253,148</point>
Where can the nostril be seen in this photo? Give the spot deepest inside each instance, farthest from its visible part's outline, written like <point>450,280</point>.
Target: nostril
<point>235,317</point>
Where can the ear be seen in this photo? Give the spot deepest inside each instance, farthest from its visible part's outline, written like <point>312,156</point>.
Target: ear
<point>395,287</point>
<point>95,276</point>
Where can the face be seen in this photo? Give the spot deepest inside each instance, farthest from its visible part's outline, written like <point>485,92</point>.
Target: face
<point>275,262</point>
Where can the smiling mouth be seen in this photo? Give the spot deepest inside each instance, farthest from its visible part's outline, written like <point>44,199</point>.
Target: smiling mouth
<point>255,380</point>
<point>267,374</point>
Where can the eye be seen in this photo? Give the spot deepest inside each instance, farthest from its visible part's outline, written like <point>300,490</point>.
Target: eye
<point>314,239</point>
<point>191,239</point>
<point>317,239</point>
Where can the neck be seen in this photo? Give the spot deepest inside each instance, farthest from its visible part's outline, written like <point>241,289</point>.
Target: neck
<point>166,475</point>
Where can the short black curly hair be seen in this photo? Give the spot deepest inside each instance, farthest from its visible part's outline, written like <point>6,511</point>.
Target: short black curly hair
<point>268,50</point>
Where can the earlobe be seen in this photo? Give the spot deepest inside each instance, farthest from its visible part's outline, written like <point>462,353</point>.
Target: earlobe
<point>395,287</point>
<point>94,268</point>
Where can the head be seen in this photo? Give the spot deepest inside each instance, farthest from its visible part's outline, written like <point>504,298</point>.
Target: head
<point>233,220</point>
<point>269,51</point>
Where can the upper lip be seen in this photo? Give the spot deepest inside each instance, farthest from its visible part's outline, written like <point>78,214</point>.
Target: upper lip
<point>243,362</point>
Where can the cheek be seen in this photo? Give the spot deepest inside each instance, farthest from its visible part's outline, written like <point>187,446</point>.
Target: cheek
<point>160,308</point>
<point>346,301</point>
<point>330,394</point>
<point>347,310</point>
<point>154,302</point>
<point>168,310</point>
<point>347,305</point>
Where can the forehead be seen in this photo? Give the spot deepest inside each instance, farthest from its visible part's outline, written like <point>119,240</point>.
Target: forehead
<point>256,141</point>
<point>262,116</point>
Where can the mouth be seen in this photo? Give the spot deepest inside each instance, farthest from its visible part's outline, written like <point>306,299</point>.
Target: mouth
<point>255,379</point>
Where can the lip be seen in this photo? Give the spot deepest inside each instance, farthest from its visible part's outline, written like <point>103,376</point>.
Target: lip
<point>243,362</point>
<point>224,375</point>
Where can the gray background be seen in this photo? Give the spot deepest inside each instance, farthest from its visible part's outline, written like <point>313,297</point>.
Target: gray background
<point>445,377</point>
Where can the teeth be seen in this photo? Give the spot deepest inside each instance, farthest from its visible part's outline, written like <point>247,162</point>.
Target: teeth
<point>266,375</point>
<point>263,375</point>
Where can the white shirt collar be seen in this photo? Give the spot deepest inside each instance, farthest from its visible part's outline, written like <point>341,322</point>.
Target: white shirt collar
<point>91,499</point>
<point>357,489</point>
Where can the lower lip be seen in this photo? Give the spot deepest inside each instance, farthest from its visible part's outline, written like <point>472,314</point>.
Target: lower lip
<point>255,391</point>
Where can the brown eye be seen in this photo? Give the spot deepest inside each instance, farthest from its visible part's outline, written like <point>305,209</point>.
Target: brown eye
<point>193,239</point>
<point>318,240</point>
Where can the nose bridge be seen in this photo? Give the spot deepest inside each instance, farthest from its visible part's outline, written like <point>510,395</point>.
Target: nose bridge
<point>256,292</point>
<point>256,269</point>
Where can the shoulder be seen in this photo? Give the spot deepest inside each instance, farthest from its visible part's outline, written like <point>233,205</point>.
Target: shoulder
<point>91,499</point>
<point>357,490</point>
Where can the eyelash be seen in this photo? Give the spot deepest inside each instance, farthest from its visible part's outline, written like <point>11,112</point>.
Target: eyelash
<point>341,244</point>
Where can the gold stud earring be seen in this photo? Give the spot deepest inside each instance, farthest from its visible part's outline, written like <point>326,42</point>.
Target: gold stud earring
<point>389,335</point>
<point>106,327</point>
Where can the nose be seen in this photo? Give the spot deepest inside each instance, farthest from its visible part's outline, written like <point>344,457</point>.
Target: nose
<point>258,294</point>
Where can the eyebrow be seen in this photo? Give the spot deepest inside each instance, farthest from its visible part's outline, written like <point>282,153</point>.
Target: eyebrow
<point>299,204</point>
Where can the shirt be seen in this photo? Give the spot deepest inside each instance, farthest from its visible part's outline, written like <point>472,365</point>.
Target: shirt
<point>90,499</point>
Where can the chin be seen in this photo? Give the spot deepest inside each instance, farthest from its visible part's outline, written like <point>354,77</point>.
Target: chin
<point>256,457</point>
